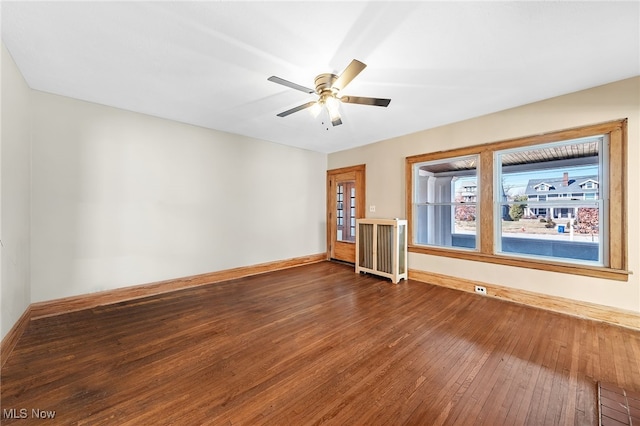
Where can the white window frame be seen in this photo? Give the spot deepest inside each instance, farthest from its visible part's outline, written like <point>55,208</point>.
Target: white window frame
<point>415,170</point>
<point>603,166</point>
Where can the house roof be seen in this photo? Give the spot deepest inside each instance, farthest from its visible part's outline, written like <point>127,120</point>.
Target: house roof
<point>557,187</point>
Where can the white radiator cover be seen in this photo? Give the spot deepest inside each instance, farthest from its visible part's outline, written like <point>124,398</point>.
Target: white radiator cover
<point>381,247</point>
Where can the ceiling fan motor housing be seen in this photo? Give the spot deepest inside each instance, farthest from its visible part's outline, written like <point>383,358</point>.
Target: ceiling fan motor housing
<point>324,83</point>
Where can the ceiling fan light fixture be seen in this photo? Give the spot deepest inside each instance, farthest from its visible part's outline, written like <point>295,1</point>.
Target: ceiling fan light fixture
<point>315,109</point>
<point>332,106</point>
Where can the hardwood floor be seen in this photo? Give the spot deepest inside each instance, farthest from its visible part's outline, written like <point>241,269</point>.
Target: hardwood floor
<point>311,345</point>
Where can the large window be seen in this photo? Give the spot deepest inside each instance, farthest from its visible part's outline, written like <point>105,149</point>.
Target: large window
<point>565,221</point>
<point>552,202</point>
<point>445,202</point>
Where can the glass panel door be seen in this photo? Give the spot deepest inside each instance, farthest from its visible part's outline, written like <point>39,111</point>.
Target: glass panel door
<point>345,204</point>
<point>346,211</point>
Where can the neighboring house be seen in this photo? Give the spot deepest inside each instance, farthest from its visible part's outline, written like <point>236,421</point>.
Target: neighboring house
<point>542,191</point>
<point>469,193</point>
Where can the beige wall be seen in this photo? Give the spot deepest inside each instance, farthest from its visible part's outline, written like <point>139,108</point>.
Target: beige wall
<point>121,198</point>
<point>14,195</point>
<point>386,186</point>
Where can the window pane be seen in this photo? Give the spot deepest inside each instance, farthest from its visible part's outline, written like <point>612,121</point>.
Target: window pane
<point>550,204</point>
<point>446,202</point>
<point>572,233</point>
<point>346,211</point>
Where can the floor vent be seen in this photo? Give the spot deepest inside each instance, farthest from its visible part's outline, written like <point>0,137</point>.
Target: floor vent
<point>617,406</point>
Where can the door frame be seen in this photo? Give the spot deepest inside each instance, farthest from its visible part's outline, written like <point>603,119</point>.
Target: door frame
<point>359,175</point>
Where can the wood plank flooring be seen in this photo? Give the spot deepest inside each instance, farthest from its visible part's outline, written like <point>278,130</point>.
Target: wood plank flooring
<point>316,344</point>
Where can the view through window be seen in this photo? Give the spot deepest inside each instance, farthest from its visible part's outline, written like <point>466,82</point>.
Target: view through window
<point>446,202</point>
<point>549,200</point>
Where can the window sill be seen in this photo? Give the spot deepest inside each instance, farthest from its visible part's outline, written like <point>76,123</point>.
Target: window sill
<point>565,268</point>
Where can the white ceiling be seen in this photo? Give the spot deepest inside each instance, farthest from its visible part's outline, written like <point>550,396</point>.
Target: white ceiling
<point>207,63</point>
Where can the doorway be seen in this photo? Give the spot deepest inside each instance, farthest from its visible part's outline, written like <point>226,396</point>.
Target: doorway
<point>345,203</point>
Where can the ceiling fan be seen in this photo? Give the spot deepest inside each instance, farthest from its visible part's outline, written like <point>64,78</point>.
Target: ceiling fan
<point>328,87</point>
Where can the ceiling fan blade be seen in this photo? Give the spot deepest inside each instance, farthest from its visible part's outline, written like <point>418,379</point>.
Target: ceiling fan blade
<point>290,84</point>
<point>365,101</point>
<point>352,70</point>
<point>296,109</point>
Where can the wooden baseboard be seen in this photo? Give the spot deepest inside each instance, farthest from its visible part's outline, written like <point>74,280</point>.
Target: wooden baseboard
<point>92,300</point>
<point>561,305</point>
<point>11,338</point>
